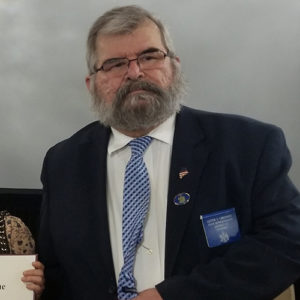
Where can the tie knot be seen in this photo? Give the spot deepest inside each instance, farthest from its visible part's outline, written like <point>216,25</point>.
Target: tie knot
<point>139,145</point>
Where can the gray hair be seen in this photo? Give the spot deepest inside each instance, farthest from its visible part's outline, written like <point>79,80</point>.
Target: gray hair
<point>122,20</point>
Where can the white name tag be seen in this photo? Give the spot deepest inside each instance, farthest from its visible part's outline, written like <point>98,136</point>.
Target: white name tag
<point>11,271</point>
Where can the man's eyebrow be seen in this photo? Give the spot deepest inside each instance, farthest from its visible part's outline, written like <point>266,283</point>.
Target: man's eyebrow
<point>149,50</point>
<point>113,59</point>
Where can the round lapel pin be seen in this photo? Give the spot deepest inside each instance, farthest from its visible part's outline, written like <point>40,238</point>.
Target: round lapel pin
<point>182,199</point>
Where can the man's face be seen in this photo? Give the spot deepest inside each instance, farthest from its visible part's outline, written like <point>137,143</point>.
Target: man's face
<point>146,36</point>
<point>138,94</point>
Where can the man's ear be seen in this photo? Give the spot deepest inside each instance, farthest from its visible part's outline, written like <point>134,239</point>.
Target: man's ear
<point>88,82</point>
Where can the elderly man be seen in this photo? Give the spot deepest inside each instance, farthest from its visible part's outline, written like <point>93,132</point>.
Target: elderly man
<point>160,201</point>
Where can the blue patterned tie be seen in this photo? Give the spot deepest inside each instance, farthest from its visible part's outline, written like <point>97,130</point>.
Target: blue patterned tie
<point>136,196</point>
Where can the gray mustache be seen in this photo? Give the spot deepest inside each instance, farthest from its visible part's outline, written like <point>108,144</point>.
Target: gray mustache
<point>138,85</point>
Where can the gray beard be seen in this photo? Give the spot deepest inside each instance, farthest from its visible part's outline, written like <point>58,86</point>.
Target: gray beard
<point>143,110</point>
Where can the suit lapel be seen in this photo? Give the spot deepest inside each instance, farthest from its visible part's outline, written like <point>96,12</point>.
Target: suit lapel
<point>190,152</point>
<point>93,167</point>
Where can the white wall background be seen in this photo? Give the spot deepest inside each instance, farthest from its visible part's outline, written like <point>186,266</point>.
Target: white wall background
<point>239,56</point>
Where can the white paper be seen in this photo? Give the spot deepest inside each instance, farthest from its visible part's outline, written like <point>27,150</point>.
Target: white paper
<point>11,271</point>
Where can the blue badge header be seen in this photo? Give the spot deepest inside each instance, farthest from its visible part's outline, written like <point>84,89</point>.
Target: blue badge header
<point>221,227</point>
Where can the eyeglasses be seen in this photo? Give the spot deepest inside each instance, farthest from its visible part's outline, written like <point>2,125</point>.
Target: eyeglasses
<point>146,61</point>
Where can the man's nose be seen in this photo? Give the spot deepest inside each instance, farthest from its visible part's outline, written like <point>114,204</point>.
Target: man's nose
<point>134,70</point>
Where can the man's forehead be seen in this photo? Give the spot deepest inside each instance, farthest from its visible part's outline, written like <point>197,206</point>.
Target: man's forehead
<point>145,35</point>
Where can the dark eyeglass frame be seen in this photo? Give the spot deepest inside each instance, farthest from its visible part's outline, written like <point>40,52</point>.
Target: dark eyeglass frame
<point>149,51</point>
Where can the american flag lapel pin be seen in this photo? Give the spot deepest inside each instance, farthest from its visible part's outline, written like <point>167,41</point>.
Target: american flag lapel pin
<point>183,172</point>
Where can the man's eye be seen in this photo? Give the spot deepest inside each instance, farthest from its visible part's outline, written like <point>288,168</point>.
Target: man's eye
<point>148,57</point>
<point>114,65</point>
<point>118,64</point>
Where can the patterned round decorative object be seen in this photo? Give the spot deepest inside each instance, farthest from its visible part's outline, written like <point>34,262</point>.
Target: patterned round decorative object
<point>15,236</point>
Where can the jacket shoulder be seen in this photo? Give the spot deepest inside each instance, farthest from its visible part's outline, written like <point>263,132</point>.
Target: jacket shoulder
<point>214,122</point>
<point>85,134</point>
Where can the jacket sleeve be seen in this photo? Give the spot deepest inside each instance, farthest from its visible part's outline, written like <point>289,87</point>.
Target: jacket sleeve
<point>267,259</point>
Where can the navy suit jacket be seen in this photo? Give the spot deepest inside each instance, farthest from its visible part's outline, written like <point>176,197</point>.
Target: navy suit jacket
<point>233,162</point>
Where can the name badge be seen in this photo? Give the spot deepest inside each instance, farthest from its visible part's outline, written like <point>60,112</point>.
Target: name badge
<point>220,227</point>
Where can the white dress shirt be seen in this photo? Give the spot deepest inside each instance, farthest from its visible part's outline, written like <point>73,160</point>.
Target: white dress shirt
<point>150,258</point>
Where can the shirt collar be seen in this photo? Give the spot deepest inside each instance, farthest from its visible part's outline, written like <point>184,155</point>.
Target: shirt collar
<point>164,133</point>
